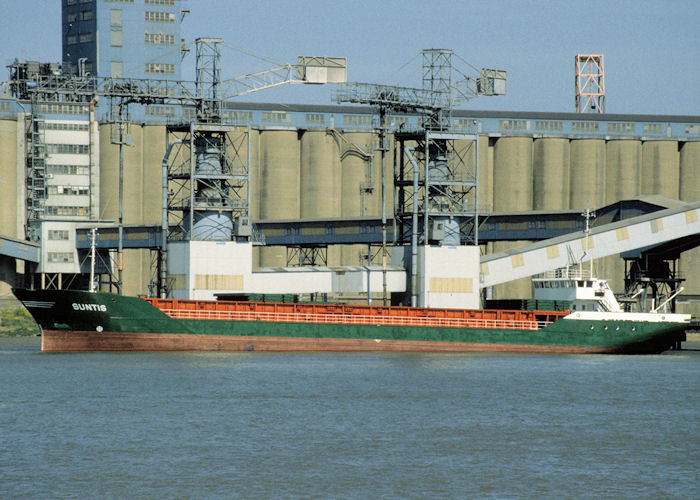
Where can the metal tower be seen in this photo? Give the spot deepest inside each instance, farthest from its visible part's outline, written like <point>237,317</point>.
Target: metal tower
<point>208,176</point>
<point>589,83</point>
<point>435,170</point>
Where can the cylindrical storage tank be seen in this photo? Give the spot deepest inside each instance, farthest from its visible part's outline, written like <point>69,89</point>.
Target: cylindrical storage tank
<point>660,168</point>
<point>254,141</point>
<point>279,175</point>
<point>279,185</point>
<point>320,175</point>
<point>622,168</point>
<point>319,195</point>
<point>152,174</point>
<point>485,203</point>
<point>12,168</point>
<point>622,182</point>
<point>358,186</point>
<point>551,174</point>
<point>512,174</point>
<point>690,172</point>
<point>12,173</point>
<point>357,166</point>
<point>142,203</point>
<point>690,192</point>
<point>587,174</point>
<point>512,192</point>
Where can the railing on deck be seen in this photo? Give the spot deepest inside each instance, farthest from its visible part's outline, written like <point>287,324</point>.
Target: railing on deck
<point>365,315</point>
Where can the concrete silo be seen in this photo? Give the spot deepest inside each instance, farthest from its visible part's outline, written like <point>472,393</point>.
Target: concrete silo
<point>11,202</point>
<point>587,174</point>
<point>550,173</point>
<point>279,158</point>
<point>660,168</point>
<point>690,192</point>
<point>512,192</point>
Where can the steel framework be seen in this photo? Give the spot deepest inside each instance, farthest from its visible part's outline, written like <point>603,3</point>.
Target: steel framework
<point>589,83</point>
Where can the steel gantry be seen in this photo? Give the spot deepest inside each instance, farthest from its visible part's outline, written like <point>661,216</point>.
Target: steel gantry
<point>435,170</point>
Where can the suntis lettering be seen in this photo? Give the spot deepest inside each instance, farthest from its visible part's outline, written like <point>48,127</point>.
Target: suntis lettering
<point>89,307</point>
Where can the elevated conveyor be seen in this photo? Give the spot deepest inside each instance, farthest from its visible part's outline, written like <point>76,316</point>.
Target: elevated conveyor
<point>19,249</point>
<point>677,223</point>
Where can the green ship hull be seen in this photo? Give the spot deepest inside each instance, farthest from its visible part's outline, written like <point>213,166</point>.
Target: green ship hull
<point>85,321</point>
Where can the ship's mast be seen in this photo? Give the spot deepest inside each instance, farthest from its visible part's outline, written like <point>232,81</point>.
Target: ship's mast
<point>587,214</point>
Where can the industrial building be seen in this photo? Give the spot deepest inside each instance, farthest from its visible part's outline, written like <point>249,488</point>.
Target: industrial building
<point>122,38</point>
<point>63,164</point>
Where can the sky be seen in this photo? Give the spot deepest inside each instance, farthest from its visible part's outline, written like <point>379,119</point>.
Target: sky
<point>651,49</point>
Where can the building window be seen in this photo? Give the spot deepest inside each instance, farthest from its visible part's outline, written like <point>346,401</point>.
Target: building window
<point>238,116</point>
<point>67,169</point>
<point>70,211</point>
<point>621,127</point>
<point>86,38</point>
<point>86,15</point>
<point>82,127</point>
<point>71,2</point>
<point>358,120</point>
<point>115,38</point>
<point>72,17</point>
<point>315,119</point>
<point>276,117</point>
<point>63,109</point>
<point>68,190</point>
<point>120,1</point>
<point>159,38</point>
<point>461,123</point>
<point>584,126</point>
<point>67,149</point>
<point>164,68</point>
<point>72,39</point>
<point>115,18</point>
<point>61,257</point>
<point>116,69</point>
<point>159,17</point>
<point>160,2</point>
<point>549,126</point>
<point>653,128</point>
<point>58,234</point>
<point>514,125</point>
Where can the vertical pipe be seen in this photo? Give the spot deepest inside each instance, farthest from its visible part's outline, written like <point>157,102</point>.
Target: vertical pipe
<point>193,182</point>
<point>92,259</point>
<point>369,287</point>
<point>249,187</point>
<point>164,227</point>
<point>414,241</point>
<point>476,191</point>
<point>382,145</point>
<point>163,292</point>
<point>414,232</point>
<point>120,250</point>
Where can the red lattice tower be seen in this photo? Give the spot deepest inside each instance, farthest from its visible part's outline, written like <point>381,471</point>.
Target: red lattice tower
<point>590,83</point>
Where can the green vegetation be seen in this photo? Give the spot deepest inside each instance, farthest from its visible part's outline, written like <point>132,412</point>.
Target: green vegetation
<point>17,322</point>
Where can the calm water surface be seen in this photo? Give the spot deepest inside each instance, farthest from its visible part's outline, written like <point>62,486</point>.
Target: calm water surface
<point>252,425</point>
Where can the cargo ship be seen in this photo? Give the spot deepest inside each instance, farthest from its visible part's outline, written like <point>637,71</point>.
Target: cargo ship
<point>72,320</point>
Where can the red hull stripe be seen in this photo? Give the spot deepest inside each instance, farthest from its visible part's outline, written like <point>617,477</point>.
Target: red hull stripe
<point>62,341</point>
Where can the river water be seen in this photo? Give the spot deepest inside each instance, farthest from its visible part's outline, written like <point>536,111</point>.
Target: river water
<point>254,425</point>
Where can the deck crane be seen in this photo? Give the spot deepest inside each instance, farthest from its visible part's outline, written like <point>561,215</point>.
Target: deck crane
<point>436,190</point>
